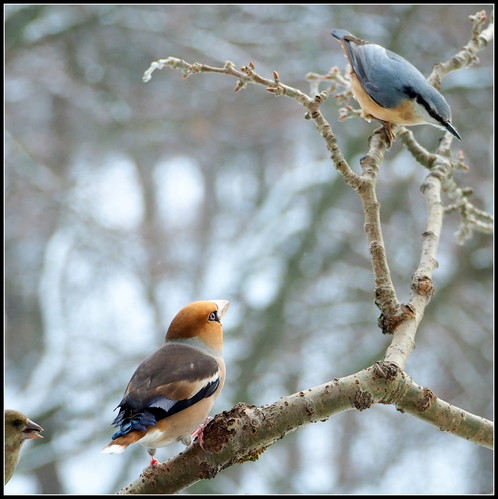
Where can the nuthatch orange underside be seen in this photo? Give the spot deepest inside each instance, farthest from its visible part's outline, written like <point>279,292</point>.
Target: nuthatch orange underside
<point>391,90</point>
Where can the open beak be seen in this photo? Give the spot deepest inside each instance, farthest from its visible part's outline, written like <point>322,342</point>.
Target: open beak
<point>31,430</point>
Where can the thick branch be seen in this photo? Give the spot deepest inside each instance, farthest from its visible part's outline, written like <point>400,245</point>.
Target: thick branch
<point>422,288</point>
<point>244,432</point>
<point>385,294</point>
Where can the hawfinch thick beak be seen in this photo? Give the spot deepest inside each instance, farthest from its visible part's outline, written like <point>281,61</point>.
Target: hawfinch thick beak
<point>222,307</point>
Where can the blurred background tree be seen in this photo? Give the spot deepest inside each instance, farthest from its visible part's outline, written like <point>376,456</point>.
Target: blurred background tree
<point>126,201</point>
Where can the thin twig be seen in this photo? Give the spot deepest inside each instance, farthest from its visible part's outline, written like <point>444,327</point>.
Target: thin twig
<point>467,56</point>
<point>364,185</point>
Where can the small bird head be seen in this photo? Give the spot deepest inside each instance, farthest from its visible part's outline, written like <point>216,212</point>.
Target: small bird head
<point>18,429</point>
<point>21,426</point>
<point>202,320</point>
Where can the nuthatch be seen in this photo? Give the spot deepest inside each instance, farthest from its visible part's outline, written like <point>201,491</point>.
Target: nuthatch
<point>391,90</point>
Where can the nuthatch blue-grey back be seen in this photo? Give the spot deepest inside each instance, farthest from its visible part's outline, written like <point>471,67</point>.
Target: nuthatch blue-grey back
<point>391,90</point>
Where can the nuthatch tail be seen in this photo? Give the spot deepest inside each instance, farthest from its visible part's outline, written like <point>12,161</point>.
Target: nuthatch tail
<point>391,90</point>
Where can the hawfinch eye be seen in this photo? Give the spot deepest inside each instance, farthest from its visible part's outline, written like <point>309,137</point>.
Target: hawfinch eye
<point>213,316</point>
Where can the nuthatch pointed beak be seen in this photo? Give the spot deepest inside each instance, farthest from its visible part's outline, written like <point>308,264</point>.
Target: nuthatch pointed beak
<point>452,130</point>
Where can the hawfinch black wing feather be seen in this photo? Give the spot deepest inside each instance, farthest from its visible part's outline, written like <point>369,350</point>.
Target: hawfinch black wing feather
<point>170,380</point>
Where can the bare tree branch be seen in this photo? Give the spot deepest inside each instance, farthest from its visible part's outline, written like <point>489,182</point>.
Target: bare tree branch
<point>364,184</point>
<point>422,288</point>
<point>245,432</point>
<point>466,57</point>
<point>472,217</point>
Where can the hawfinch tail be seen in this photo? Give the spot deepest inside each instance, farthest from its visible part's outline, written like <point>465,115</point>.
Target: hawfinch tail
<point>18,429</point>
<point>172,391</point>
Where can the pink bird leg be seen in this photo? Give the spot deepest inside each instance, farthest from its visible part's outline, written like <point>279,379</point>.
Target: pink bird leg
<point>199,432</point>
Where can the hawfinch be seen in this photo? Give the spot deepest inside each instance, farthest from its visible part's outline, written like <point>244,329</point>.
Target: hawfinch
<point>18,429</point>
<point>172,391</point>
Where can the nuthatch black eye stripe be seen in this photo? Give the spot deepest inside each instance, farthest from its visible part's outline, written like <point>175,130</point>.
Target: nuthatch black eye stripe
<point>390,89</point>
<point>412,94</point>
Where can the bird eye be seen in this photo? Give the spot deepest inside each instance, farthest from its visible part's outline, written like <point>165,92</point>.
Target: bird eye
<point>17,422</point>
<point>213,316</point>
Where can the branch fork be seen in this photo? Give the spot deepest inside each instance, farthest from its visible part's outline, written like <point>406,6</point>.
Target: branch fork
<point>244,432</point>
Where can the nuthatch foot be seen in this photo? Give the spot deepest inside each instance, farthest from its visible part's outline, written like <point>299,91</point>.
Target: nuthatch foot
<point>391,90</point>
